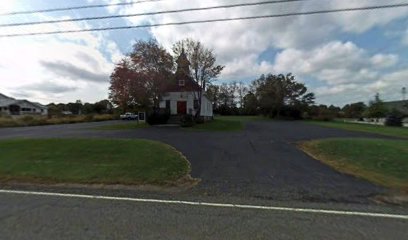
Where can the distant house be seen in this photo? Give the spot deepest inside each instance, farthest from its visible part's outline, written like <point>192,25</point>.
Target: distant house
<point>16,107</point>
<point>401,106</point>
<point>183,93</point>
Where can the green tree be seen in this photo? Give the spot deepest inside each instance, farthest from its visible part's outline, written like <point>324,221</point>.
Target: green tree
<point>354,110</point>
<point>282,95</point>
<point>250,104</point>
<point>376,108</point>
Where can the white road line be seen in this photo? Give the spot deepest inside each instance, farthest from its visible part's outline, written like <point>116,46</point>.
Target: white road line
<point>223,205</point>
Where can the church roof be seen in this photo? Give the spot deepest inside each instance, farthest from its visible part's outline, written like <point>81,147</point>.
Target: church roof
<point>183,73</point>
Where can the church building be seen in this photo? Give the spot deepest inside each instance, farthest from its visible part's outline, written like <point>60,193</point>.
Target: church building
<point>183,92</point>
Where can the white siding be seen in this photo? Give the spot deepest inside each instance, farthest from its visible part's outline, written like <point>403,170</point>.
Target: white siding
<point>174,97</point>
<point>206,107</point>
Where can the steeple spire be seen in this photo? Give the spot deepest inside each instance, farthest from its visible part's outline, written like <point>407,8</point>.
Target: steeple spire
<point>183,65</point>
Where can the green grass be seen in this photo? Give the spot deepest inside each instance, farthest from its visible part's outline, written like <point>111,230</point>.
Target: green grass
<point>382,130</point>
<point>91,161</point>
<point>243,118</point>
<point>384,162</point>
<point>220,125</point>
<point>226,123</point>
<point>124,126</point>
<point>23,121</point>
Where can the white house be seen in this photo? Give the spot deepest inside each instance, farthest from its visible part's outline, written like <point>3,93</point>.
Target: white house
<point>15,107</point>
<point>183,93</point>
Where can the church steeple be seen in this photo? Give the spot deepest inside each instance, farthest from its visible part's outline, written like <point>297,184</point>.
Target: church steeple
<point>183,65</point>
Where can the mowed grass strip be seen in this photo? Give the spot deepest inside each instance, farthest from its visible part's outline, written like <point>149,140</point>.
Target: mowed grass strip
<point>220,125</point>
<point>382,130</point>
<point>227,123</point>
<point>123,126</point>
<point>91,161</point>
<point>384,162</point>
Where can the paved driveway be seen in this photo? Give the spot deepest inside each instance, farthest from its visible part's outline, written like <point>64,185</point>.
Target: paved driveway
<point>260,162</point>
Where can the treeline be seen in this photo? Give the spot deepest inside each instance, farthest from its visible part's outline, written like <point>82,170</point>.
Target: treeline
<point>279,96</point>
<point>79,108</point>
<point>375,109</point>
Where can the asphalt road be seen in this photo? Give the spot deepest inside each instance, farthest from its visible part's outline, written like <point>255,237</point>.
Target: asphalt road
<point>260,162</point>
<point>259,166</point>
<point>39,217</point>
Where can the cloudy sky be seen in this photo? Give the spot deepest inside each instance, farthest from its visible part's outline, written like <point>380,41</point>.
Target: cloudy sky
<point>342,57</point>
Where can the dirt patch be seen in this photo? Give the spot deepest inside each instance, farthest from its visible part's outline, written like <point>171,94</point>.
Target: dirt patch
<point>185,183</point>
<point>396,198</point>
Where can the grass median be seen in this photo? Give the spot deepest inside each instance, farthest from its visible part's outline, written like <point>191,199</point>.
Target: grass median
<point>123,126</point>
<point>226,123</point>
<point>384,162</point>
<point>359,127</point>
<point>91,161</point>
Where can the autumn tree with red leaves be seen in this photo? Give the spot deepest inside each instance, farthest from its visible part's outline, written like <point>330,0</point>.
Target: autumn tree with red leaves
<point>139,80</point>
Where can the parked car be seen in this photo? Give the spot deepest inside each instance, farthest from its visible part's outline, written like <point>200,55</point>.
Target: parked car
<point>128,116</point>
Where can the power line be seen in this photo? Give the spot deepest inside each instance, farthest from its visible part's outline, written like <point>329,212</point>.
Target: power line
<point>150,13</point>
<point>77,7</point>
<point>212,20</point>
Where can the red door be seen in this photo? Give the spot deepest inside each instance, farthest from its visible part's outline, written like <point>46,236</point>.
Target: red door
<point>181,107</point>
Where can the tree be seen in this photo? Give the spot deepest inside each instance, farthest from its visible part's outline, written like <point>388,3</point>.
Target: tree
<point>354,110</point>
<point>139,80</point>
<point>250,104</point>
<point>376,108</point>
<point>282,95</point>
<point>212,92</point>
<point>242,90</point>
<point>204,69</point>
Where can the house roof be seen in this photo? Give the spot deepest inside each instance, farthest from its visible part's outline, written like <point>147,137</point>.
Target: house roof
<point>6,101</point>
<point>401,106</point>
<point>189,86</point>
<point>5,97</point>
<point>183,73</point>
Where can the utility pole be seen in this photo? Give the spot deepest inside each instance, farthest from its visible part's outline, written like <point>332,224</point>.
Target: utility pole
<point>404,93</point>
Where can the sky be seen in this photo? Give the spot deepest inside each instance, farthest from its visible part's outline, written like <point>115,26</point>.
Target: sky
<point>341,57</point>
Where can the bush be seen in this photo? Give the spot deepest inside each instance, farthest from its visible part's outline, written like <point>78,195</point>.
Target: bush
<point>393,121</point>
<point>290,113</point>
<point>104,117</point>
<point>394,118</point>
<point>199,120</point>
<point>158,116</point>
<point>187,120</point>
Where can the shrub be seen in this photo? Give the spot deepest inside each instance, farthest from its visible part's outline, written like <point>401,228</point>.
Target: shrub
<point>393,121</point>
<point>187,120</point>
<point>290,113</point>
<point>89,118</point>
<point>104,117</point>
<point>394,118</point>
<point>158,116</point>
<point>199,120</point>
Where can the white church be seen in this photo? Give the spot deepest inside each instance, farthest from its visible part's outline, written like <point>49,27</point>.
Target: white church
<point>182,94</point>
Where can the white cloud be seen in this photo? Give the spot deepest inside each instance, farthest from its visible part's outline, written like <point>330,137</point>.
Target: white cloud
<point>66,67</point>
<point>384,60</point>
<point>333,63</point>
<point>348,73</point>
<point>240,43</point>
<point>308,46</point>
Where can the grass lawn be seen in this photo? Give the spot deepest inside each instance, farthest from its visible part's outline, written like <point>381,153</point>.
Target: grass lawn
<point>382,130</point>
<point>91,161</point>
<point>384,162</point>
<point>227,123</point>
<point>23,121</point>
<point>124,126</point>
